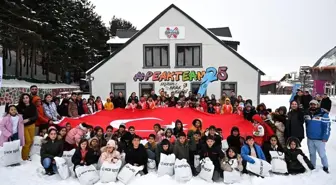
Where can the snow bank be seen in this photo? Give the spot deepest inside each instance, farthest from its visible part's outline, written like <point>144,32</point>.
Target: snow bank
<point>24,84</point>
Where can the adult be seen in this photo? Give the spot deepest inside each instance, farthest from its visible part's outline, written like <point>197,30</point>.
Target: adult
<point>120,101</point>
<point>233,98</point>
<point>318,133</point>
<point>33,90</point>
<point>63,109</point>
<point>50,108</point>
<point>133,97</point>
<point>153,95</point>
<point>80,104</point>
<point>92,106</point>
<point>295,121</point>
<point>51,147</point>
<point>73,107</point>
<point>299,98</point>
<point>306,98</point>
<point>29,114</point>
<point>325,103</point>
<point>42,119</point>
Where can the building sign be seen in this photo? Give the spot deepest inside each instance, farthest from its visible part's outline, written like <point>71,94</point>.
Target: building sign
<point>211,73</point>
<point>174,87</point>
<point>172,32</point>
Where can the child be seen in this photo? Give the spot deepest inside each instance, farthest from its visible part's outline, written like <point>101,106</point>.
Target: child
<point>143,103</point>
<point>109,134</point>
<point>169,135</point>
<point>131,105</point>
<point>151,146</point>
<point>262,131</point>
<point>94,144</point>
<point>251,149</point>
<point>217,107</point>
<point>12,127</point>
<point>195,147</point>
<point>227,107</point>
<point>232,161</point>
<point>83,155</point>
<point>212,132</point>
<point>159,134</point>
<point>234,139</point>
<point>110,153</point>
<point>272,145</point>
<point>196,125</point>
<point>297,161</point>
<point>179,104</point>
<point>211,109</point>
<point>151,103</point>
<point>68,127</point>
<point>181,147</point>
<point>204,104</point>
<point>61,134</point>
<point>108,105</point>
<point>75,134</point>
<point>239,111</point>
<point>215,154</point>
<point>164,147</point>
<point>199,107</point>
<point>99,134</point>
<point>178,127</point>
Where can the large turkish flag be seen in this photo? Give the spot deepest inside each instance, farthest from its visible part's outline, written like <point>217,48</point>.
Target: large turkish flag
<point>143,120</point>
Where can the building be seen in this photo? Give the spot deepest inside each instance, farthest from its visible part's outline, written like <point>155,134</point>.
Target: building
<point>174,52</point>
<point>268,87</point>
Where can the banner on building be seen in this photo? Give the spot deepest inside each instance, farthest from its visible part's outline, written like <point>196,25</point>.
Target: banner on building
<point>1,71</point>
<point>172,32</point>
<point>144,120</point>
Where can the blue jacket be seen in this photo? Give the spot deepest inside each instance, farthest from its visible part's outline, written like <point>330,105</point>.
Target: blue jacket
<point>246,152</point>
<point>317,125</point>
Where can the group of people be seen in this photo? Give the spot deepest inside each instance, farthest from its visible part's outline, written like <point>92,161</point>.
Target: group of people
<point>273,131</point>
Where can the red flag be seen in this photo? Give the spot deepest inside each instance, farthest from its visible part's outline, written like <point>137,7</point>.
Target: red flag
<point>143,120</point>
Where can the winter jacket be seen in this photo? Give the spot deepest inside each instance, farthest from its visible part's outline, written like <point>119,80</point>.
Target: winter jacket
<point>150,148</point>
<point>234,141</point>
<point>109,157</point>
<point>159,136</point>
<point>218,139</point>
<point>75,135</point>
<point>50,110</point>
<point>267,147</point>
<point>211,110</point>
<point>294,124</point>
<point>159,150</point>
<point>246,152</point>
<point>80,108</point>
<point>318,125</point>
<point>326,104</point>
<point>249,114</point>
<point>108,105</point>
<point>88,159</point>
<point>280,130</point>
<point>119,102</point>
<point>227,109</point>
<point>294,166</point>
<point>232,164</point>
<point>6,129</point>
<point>194,149</point>
<point>135,98</point>
<point>28,112</point>
<point>214,153</point>
<point>92,108</point>
<point>193,129</point>
<point>42,118</point>
<point>137,156</point>
<point>181,151</point>
<point>73,109</point>
<point>63,109</point>
<point>51,149</point>
<point>306,100</point>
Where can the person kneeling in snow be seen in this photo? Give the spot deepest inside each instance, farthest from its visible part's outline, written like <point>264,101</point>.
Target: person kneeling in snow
<point>297,161</point>
<point>272,145</point>
<point>215,154</point>
<point>110,153</point>
<point>164,147</point>
<point>84,155</point>
<point>251,149</point>
<point>51,147</point>
<point>232,161</point>
<point>136,155</point>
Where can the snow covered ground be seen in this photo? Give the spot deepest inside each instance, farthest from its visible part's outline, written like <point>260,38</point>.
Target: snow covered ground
<point>26,174</point>
<point>24,84</point>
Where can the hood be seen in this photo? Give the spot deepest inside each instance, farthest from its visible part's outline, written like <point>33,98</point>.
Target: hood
<point>235,129</point>
<point>35,99</point>
<point>296,140</point>
<point>283,108</point>
<point>90,141</point>
<point>249,101</point>
<point>262,105</point>
<point>257,118</point>
<point>227,99</point>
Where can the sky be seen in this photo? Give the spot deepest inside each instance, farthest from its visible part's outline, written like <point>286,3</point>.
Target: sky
<point>278,36</point>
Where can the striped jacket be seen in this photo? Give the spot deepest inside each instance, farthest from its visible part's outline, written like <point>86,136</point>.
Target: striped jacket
<point>317,125</point>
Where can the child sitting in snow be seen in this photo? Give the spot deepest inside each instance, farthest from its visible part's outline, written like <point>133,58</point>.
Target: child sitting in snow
<point>232,161</point>
<point>297,161</point>
<point>251,149</point>
<point>151,146</point>
<point>110,153</point>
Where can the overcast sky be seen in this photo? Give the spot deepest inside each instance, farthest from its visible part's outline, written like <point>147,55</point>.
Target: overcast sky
<point>277,36</point>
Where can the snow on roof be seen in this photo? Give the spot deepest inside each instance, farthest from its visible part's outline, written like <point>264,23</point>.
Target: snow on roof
<point>24,84</point>
<point>328,59</point>
<point>285,84</point>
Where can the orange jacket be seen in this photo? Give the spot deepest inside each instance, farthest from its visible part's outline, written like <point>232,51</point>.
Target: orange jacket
<point>41,118</point>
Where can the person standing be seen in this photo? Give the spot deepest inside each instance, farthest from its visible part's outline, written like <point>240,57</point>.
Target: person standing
<point>326,103</point>
<point>73,107</point>
<point>294,124</point>
<point>318,133</point>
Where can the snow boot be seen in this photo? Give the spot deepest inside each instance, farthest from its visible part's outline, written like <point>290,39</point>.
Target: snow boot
<point>325,169</point>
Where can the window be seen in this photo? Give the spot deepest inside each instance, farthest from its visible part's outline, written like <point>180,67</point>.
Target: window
<point>156,56</point>
<point>228,87</point>
<point>146,88</point>
<point>188,55</point>
<point>194,86</point>
<point>118,87</point>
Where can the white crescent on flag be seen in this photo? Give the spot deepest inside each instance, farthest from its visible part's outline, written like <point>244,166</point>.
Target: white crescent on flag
<point>117,123</point>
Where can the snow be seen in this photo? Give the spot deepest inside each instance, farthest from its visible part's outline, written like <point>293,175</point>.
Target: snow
<point>285,84</point>
<point>24,84</point>
<point>28,172</point>
<point>328,61</point>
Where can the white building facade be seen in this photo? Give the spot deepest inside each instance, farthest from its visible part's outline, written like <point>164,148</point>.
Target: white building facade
<point>174,52</point>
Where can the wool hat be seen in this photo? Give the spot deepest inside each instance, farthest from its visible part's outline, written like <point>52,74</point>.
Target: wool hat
<point>248,105</point>
<point>51,128</point>
<point>314,102</point>
<point>111,143</point>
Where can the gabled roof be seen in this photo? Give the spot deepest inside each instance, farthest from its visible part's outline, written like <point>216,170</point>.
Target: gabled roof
<point>264,83</point>
<point>223,31</point>
<point>94,68</point>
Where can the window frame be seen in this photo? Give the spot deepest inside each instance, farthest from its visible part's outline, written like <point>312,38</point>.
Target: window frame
<point>118,83</point>
<point>156,45</point>
<point>189,45</point>
<point>223,84</point>
<point>145,83</point>
<point>198,83</point>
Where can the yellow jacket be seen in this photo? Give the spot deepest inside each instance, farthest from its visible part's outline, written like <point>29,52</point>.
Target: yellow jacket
<point>108,105</point>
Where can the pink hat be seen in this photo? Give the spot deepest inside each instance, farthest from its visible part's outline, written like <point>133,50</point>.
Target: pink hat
<point>111,143</point>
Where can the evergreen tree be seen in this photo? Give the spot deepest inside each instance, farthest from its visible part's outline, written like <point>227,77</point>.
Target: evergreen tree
<point>119,23</point>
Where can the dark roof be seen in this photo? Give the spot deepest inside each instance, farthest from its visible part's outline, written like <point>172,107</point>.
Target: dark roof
<point>125,33</point>
<point>264,83</point>
<point>223,31</point>
<point>329,54</point>
<point>94,68</point>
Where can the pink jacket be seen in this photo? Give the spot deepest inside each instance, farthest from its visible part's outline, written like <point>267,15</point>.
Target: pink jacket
<point>75,135</point>
<point>6,129</point>
<point>109,157</point>
<point>159,136</point>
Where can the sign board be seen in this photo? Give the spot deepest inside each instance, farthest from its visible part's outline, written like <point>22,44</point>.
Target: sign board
<point>172,32</point>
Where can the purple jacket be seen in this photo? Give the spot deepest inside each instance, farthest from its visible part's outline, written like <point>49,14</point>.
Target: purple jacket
<point>6,129</point>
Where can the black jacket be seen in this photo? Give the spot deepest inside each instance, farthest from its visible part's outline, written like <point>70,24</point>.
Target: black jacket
<point>137,156</point>
<point>218,141</point>
<point>234,142</point>
<point>80,107</point>
<point>51,149</point>
<point>326,104</point>
<point>28,112</point>
<point>267,148</point>
<point>294,124</point>
<point>248,115</point>
<point>293,164</point>
<point>214,153</point>
<point>119,102</point>
<point>159,150</point>
<point>89,159</point>
<point>194,149</point>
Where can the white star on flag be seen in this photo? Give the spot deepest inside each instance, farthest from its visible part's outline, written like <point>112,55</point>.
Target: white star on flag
<point>172,125</point>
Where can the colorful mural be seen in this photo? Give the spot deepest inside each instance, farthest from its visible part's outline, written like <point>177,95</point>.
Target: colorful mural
<point>189,75</point>
<point>11,95</point>
<point>174,87</point>
<point>211,75</point>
